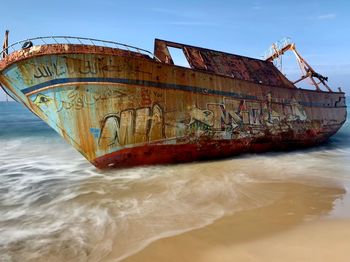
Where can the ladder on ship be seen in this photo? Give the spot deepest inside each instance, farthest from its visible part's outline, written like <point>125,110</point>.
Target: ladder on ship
<point>279,48</point>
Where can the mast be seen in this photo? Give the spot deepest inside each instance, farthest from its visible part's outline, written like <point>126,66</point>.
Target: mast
<point>4,54</point>
<point>5,44</point>
<point>279,48</point>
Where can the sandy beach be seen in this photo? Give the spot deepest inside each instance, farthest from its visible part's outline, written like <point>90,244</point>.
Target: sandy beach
<point>298,227</point>
<point>325,240</point>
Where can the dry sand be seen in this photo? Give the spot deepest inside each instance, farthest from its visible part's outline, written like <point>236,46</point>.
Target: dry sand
<point>313,241</point>
<point>301,226</point>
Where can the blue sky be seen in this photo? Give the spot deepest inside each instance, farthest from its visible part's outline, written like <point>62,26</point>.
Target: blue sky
<point>320,29</point>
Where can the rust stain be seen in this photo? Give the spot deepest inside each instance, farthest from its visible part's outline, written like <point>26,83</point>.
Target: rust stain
<point>221,63</point>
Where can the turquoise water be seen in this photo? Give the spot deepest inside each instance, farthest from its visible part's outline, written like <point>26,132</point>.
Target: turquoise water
<point>55,206</point>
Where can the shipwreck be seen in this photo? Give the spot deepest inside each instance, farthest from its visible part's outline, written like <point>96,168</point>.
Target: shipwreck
<point>120,105</point>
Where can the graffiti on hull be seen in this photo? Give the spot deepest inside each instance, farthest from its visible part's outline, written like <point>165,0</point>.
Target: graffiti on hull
<point>78,98</point>
<point>227,120</point>
<point>132,126</point>
<point>143,116</point>
<point>41,99</point>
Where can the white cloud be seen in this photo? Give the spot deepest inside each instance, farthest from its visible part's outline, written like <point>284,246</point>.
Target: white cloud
<point>192,23</point>
<point>184,13</point>
<point>326,16</point>
<point>165,11</point>
<point>256,6</point>
<point>184,17</point>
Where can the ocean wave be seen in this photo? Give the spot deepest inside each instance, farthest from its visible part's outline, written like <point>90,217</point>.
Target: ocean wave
<point>55,206</point>
<point>81,216</point>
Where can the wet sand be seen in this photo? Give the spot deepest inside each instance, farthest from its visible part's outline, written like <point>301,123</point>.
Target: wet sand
<point>309,223</point>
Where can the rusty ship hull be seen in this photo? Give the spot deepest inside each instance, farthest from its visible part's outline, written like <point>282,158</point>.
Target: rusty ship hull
<point>124,108</point>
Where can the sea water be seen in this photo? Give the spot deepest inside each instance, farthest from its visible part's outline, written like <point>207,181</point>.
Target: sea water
<point>55,206</point>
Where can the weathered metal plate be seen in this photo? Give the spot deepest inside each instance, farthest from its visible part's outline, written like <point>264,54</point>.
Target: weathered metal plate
<point>239,67</point>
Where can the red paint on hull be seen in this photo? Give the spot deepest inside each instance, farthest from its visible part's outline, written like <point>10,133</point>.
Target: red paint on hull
<point>204,150</point>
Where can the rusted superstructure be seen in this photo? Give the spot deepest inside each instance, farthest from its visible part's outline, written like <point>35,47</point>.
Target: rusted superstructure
<point>123,106</point>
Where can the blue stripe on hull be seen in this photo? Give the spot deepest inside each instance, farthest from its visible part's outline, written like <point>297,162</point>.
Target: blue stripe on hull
<point>153,84</point>
<point>135,82</point>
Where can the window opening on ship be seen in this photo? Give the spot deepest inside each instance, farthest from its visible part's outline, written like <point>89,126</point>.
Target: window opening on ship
<point>178,56</point>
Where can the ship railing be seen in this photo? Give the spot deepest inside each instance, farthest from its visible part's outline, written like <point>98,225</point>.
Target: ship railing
<point>71,40</point>
<point>277,46</point>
